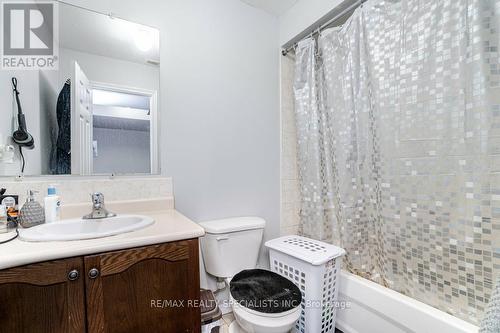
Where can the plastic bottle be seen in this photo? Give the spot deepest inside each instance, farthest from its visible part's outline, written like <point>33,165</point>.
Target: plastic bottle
<point>3,219</point>
<point>52,205</point>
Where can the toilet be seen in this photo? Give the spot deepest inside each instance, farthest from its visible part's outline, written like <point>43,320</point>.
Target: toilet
<point>262,301</point>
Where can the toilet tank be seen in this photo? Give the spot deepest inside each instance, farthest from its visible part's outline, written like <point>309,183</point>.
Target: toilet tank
<point>231,245</point>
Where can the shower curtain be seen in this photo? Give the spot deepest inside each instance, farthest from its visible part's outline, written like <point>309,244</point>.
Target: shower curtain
<point>398,140</point>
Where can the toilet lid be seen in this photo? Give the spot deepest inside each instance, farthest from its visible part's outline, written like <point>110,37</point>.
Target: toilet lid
<point>265,291</point>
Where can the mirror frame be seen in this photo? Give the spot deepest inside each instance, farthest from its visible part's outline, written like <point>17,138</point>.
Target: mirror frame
<point>156,165</point>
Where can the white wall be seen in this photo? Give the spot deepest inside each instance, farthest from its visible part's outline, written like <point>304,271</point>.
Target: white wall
<point>28,85</point>
<point>219,104</point>
<point>109,70</point>
<point>302,15</point>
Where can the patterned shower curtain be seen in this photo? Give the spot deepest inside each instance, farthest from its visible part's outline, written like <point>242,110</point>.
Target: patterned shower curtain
<point>398,129</point>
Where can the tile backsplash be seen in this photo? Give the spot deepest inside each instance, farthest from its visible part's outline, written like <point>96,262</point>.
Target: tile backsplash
<point>77,190</point>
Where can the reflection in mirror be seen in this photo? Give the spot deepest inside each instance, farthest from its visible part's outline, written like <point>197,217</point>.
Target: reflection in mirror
<point>122,128</point>
<point>97,113</point>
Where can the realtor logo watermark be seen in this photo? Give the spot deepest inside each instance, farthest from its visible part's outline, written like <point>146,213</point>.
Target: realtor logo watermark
<point>30,34</point>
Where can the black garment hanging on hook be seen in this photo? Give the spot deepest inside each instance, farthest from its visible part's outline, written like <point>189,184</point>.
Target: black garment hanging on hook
<point>62,163</point>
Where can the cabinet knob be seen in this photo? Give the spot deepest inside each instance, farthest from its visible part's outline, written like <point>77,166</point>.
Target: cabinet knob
<point>93,273</point>
<point>73,275</point>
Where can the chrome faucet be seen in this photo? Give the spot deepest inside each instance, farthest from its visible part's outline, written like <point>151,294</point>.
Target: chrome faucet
<point>99,211</point>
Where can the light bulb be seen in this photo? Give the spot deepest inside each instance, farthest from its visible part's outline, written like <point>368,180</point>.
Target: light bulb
<point>144,40</point>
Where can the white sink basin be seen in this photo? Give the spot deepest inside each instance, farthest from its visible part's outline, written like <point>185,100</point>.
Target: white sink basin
<point>78,229</point>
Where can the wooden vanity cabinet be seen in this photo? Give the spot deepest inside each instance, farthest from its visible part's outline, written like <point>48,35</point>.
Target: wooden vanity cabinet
<point>43,297</point>
<point>148,289</point>
<point>144,290</point>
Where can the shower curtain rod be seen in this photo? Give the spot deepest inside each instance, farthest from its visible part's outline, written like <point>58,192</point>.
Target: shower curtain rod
<point>338,15</point>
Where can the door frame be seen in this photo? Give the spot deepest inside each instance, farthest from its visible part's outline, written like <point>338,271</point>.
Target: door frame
<point>153,125</point>
<point>81,153</point>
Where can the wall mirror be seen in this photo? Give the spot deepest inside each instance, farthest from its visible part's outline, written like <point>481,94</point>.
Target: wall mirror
<point>98,112</point>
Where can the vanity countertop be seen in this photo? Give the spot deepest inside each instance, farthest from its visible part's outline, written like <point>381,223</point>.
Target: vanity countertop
<point>169,226</point>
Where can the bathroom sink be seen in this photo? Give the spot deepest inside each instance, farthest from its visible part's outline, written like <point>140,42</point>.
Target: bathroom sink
<point>79,229</point>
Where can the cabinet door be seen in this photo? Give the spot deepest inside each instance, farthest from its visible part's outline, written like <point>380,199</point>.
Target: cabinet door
<point>146,289</point>
<point>44,297</point>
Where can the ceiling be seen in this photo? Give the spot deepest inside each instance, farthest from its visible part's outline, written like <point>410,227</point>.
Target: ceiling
<point>90,32</point>
<point>275,7</point>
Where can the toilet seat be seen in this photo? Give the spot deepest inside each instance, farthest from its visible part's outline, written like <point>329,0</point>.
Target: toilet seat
<point>264,302</point>
<point>265,293</point>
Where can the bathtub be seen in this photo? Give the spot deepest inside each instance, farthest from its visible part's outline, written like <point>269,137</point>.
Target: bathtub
<point>376,309</point>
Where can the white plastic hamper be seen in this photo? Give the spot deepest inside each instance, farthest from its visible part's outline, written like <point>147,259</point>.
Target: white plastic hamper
<point>314,266</point>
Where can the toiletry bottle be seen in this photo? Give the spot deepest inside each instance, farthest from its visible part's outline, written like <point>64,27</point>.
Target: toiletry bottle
<point>52,205</point>
<point>3,219</point>
<point>31,213</point>
<point>11,203</point>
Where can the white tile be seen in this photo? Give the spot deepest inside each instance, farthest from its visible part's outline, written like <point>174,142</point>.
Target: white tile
<point>290,230</point>
<point>290,191</point>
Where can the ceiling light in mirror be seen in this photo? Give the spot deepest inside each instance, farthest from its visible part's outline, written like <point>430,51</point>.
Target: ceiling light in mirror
<point>144,39</point>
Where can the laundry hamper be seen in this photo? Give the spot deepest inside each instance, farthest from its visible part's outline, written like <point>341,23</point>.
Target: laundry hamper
<point>314,267</point>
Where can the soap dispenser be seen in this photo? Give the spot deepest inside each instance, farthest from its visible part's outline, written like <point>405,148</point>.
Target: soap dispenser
<point>31,213</point>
